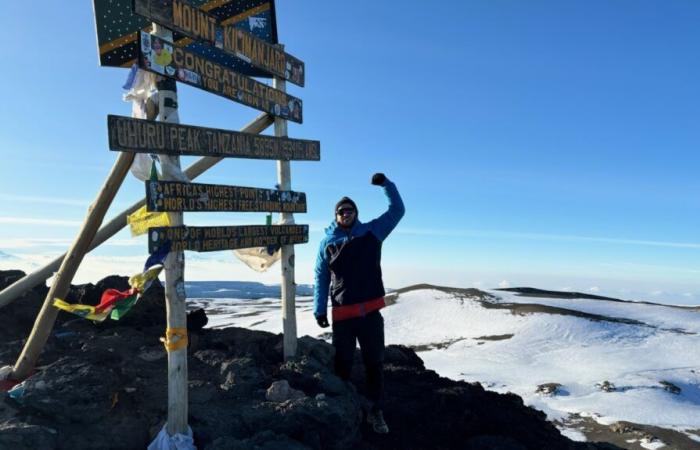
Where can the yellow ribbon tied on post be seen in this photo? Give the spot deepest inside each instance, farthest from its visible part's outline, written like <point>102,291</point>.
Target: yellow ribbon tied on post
<point>175,339</point>
<point>141,220</point>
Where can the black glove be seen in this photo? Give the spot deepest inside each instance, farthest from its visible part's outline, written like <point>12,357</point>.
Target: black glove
<point>322,321</point>
<point>378,179</point>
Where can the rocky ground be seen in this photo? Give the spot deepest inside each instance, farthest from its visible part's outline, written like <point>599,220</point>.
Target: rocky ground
<point>104,386</point>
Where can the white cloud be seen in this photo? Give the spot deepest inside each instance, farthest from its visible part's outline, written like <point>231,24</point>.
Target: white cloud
<point>45,200</point>
<point>594,289</point>
<point>36,221</point>
<point>543,236</point>
<point>504,284</point>
<point>64,243</point>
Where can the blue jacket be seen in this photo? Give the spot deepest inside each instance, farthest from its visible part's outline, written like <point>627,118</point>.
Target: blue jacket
<point>348,261</point>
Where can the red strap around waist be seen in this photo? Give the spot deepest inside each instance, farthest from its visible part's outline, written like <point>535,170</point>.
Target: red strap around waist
<point>357,310</point>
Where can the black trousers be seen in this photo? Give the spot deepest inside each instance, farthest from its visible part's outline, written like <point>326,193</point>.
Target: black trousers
<point>369,332</point>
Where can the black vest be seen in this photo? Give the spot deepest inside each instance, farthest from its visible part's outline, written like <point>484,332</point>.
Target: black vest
<point>356,273</point>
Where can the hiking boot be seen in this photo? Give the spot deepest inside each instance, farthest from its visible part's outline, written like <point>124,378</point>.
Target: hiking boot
<point>376,419</point>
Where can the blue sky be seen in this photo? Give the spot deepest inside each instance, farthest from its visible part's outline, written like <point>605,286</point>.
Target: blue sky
<point>544,143</point>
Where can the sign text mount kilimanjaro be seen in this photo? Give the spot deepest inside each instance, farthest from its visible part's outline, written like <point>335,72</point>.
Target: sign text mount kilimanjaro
<point>190,20</point>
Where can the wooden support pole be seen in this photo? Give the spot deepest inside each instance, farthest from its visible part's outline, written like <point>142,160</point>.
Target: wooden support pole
<point>288,287</point>
<point>174,265</point>
<point>61,284</point>
<point>19,287</point>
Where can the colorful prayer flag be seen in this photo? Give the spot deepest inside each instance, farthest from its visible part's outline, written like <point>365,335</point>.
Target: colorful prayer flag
<point>84,311</point>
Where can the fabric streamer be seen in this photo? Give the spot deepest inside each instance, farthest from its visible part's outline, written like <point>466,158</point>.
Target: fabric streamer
<point>159,256</point>
<point>84,311</point>
<point>141,220</point>
<point>111,296</point>
<point>142,281</point>
<point>123,307</point>
<point>164,441</point>
<point>169,341</point>
<point>115,304</point>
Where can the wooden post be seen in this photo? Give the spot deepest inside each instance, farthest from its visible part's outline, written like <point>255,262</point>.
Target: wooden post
<point>288,287</point>
<point>174,265</point>
<point>61,284</point>
<point>19,287</point>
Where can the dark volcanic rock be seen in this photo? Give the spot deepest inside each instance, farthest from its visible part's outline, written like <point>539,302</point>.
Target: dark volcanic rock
<point>104,386</point>
<point>23,310</point>
<point>71,390</point>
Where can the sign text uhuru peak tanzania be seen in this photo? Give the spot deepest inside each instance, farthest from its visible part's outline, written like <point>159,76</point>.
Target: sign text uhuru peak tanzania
<point>191,21</point>
<point>170,196</point>
<point>209,239</point>
<point>148,136</point>
<point>162,57</point>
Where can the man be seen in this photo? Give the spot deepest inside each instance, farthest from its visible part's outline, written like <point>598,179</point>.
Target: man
<point>349,261</point>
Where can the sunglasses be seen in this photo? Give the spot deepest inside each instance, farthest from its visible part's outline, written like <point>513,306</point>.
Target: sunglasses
<point>345,211</point>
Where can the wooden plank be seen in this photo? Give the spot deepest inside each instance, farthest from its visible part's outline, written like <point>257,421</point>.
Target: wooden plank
<point>170,196</point>
<point>117,30</point>
<point>288,285</point>
<point>60,286</point>
<point>148,136</point>
<point>161,57</point>
<point>188,19</point>
<point>19,287</point>
<point>210,239</point>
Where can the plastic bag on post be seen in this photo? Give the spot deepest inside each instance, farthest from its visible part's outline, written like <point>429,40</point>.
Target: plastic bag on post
<point>143,95</point>
<point>262,258</point>
<point>169,113</point>
<point>258,258</point>
<point>164,441</point>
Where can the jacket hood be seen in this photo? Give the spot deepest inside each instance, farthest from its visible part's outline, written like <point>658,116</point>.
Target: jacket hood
<point>335,229</point>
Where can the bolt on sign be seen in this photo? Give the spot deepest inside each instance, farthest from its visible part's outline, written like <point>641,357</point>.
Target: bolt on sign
<point>160,56</point>
<point>127,134</point>
<point>210,239</point>
<point>171,196</point>
<point>188,19</point>
<point>118,27</point>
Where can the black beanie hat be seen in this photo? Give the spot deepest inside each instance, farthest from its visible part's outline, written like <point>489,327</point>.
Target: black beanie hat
<point>345,200</point>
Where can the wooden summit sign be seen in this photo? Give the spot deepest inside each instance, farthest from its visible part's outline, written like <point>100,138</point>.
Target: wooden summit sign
<point>209,239</point>
<point>148,136</point>
<point>170,196</point>
<point>189,20</point>
<point>162,57</point>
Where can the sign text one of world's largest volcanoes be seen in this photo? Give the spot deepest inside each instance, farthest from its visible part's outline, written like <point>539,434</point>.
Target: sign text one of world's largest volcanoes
<point>210,239</point>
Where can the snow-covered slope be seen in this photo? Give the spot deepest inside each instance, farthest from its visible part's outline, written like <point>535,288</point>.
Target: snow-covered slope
<point>514,343</point>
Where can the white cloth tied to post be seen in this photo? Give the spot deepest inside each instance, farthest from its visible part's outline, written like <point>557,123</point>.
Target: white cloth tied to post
<point>142,92</point>
<point>5,372</point>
